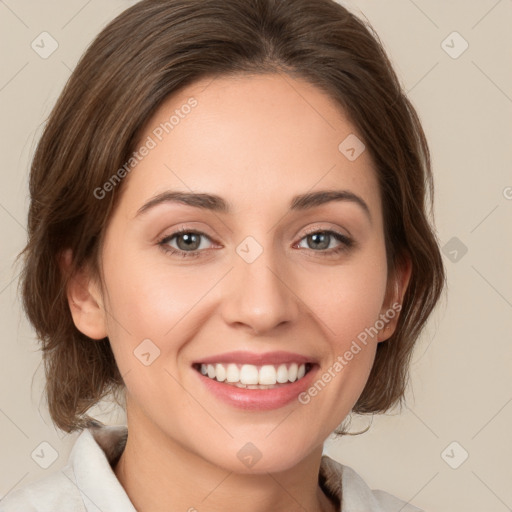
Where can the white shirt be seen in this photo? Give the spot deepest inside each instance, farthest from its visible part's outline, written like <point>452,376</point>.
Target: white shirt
<point>88,483</point>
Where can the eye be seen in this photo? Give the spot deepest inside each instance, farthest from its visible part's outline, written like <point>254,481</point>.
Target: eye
<point>321,241</point>
<point>189,243</point>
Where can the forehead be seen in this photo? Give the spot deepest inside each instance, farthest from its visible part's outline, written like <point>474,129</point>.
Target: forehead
<point>250,138</point>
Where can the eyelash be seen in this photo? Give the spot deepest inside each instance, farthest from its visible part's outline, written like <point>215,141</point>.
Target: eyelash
<point>346,243</point>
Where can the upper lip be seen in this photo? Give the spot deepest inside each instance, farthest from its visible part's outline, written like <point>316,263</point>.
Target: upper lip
<point>242,357</point>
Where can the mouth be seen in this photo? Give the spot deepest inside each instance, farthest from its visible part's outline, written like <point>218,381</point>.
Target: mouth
<point>256,381</point>
<point>251,376</point>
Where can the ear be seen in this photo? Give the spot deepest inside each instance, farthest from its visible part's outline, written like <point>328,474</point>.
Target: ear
<point>84,299</point>
<point>397,286</point>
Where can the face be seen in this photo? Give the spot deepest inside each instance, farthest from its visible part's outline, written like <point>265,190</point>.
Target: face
<point>277,283</point>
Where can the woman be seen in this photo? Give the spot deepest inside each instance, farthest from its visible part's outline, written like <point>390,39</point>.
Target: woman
<point>228,225</point>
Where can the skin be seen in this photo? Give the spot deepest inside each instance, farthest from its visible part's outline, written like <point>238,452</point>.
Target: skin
<point>257,141</point>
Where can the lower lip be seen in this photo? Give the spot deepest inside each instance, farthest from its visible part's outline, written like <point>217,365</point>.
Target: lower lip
<point>258,399</point>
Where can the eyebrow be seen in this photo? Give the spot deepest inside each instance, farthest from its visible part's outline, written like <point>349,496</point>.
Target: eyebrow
<point>217,204</point>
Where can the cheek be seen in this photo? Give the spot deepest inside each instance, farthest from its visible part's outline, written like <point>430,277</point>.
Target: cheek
<point>154,301</point>
<point>350,297</point>
<point>348,309</point>
<point>149,299</point>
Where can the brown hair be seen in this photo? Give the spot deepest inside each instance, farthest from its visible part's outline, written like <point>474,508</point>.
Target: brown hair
<point>152,50</point>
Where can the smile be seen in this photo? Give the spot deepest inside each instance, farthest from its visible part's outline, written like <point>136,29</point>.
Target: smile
<point>251,376</point>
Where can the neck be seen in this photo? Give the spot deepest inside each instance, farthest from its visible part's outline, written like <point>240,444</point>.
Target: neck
<point>159,474</point>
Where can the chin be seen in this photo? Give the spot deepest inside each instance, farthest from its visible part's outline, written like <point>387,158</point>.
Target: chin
<point>246,457</point>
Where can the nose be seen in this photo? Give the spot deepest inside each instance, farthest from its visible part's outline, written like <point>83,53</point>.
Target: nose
<point>259,295</point>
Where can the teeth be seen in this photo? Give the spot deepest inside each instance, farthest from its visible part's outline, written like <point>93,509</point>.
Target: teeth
<point>282,374</point>
<point>267,375</point>
<point>292,372</point>
<point>232,373</point>
<point>254,377</point>
<point>249,374</point>
<point>220,373</point>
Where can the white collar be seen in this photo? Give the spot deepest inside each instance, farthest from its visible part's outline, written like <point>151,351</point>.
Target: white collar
<point>97,447</point>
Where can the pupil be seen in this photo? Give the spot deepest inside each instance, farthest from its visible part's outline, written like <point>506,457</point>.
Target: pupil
<point>323,238</point>
<point>189,239</point>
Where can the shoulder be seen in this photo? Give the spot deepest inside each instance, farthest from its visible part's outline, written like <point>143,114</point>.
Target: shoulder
<point>390,503</point>
<point>48,494</point>
<point>86,482</point>
<point>354,493</point>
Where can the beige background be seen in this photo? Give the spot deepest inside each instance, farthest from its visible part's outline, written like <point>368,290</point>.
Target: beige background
<point>461,372</point>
